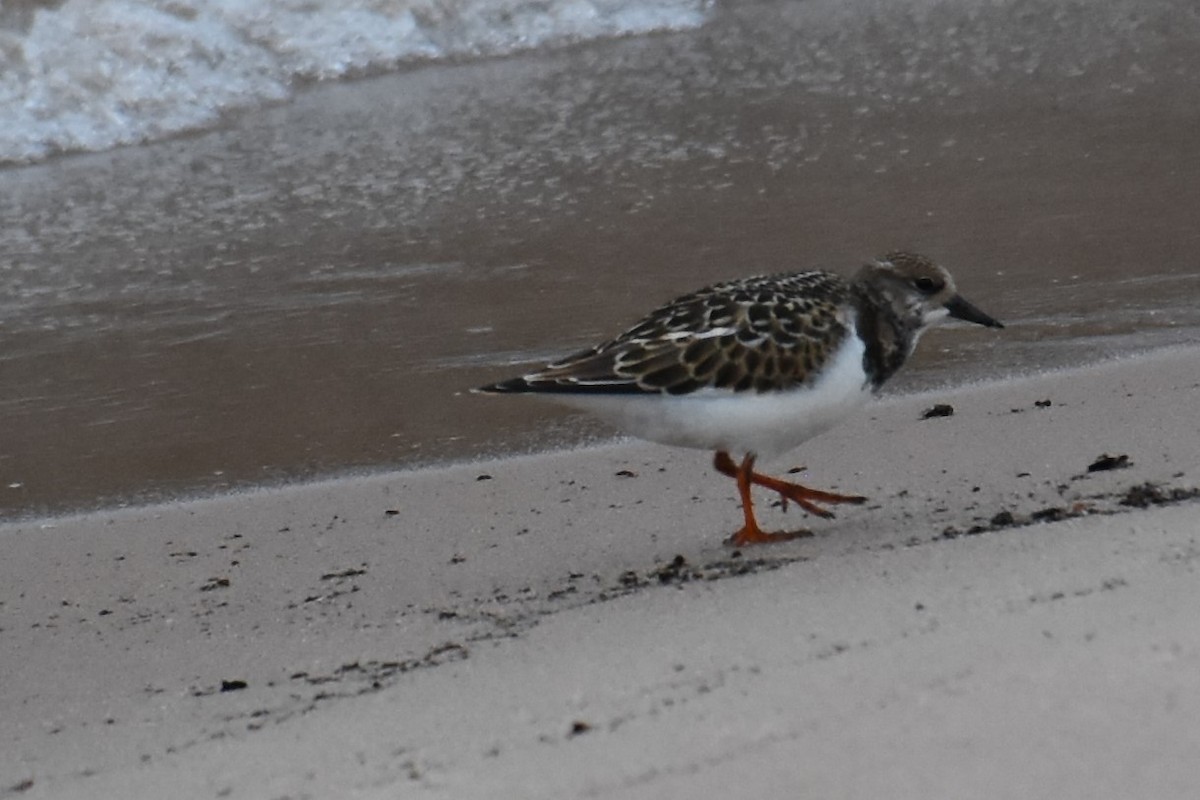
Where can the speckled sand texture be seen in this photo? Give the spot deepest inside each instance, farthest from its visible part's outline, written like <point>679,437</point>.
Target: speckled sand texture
<point>997,623</point>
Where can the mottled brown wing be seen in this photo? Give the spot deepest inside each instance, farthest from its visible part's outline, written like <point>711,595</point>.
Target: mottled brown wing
<point>756,334</point>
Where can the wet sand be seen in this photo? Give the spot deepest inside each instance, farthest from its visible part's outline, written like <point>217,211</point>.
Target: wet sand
<point>1007,618</point>
<point>310,290</point>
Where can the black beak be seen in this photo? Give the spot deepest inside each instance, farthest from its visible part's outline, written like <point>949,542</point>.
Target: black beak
<point>961,309</point>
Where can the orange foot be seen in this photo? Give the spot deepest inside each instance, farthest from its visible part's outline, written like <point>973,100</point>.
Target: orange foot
<point>755,535</point>
<point>803,496</point>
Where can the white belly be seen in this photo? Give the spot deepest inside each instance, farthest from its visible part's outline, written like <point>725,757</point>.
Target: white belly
<point>767,424</point>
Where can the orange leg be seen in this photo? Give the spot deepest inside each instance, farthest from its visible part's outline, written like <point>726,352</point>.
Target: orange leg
<point>806,498</point>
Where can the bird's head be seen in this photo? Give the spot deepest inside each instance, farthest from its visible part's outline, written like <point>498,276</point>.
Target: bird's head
<point>920,289</point>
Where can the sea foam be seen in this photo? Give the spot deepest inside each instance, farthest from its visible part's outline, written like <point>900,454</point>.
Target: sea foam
<point>87,75</point>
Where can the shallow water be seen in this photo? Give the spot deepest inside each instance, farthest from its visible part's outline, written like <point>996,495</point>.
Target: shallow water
<point>87,75</point>
<point>313,287</point>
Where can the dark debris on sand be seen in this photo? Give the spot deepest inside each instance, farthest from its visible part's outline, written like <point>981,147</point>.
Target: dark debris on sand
<point>939,410</point>
<point>1141,495</point>
<point>679,571</point>
<point>1151,494</point>
<point>1106,462</point>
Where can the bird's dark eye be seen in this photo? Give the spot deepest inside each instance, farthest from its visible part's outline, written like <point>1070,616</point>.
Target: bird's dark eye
<point>928,285</point>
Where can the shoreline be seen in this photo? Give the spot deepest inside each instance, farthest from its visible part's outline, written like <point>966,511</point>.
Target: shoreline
<point>597,441</point>
<point>268,300</point>
<point>454,631</point>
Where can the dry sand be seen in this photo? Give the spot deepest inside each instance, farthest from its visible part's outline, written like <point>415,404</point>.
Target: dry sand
<point>997,623</point>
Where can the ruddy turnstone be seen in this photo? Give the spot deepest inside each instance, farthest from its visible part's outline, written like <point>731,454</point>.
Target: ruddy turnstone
<point>758,365</point>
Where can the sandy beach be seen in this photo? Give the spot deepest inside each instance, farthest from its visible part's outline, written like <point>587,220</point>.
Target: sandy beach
<point>998,622</point>
<point>308,288</point>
